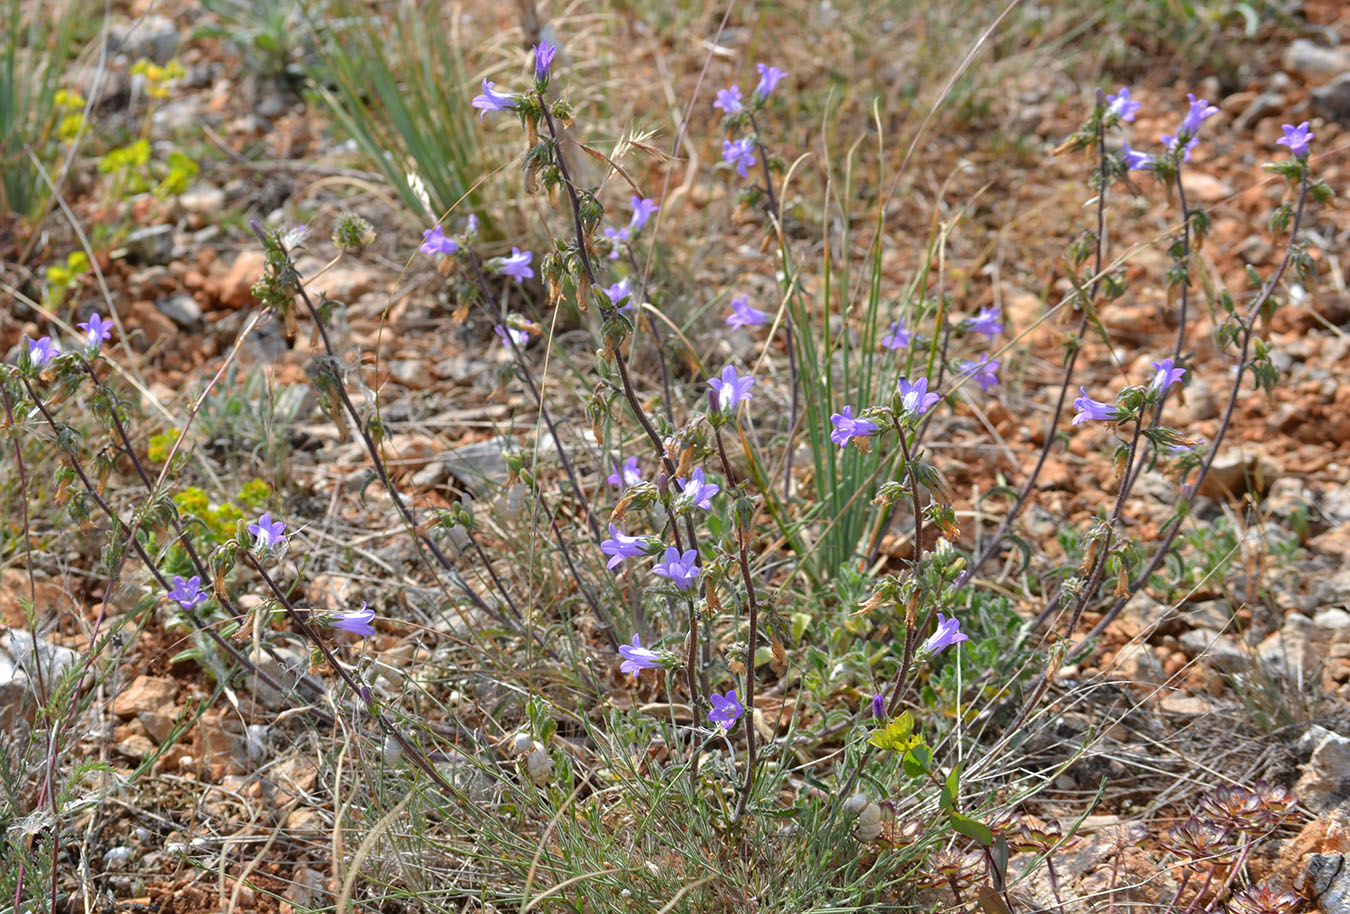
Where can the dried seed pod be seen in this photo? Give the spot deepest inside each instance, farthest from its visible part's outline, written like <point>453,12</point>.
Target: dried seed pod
<point>538,766</point>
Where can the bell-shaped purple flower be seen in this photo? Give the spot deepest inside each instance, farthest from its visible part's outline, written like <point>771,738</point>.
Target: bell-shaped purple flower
<point>1136,160</point>
<point>915,398</point>
<point>1199,110</point>
<point>986,322</point>
<point>435,242</point>
<point>267,533</point>
<point>846,428</point>
<point>743,315</point>
<point>769,77</point>
<point>1091,410</point>
<point>620,546</point>
<point>1165,375</point>
<point>517,265</point>
<point>898,338</point>
<point>630,475</point>
<point>643,209</point>
<point>726,709</point>
<point>492,101</point>
<point>1121,105</point>
<point>729,100</point>
<point>680,570</point>
<point>741,153</point>
<point>697,490</point>
<point>42,351</point>
<point>985,372</point>
<point>948,633</point>
<point>356,621</point>
<point>188,592</point>
<point>96,330</point>
<point>543,59</point>
<point>1296,138</point>
<point>637,658</point>
<point>731,389</point>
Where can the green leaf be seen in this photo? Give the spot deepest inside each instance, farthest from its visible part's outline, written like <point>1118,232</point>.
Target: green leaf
<point>975,831</point>
<point>918,761</point>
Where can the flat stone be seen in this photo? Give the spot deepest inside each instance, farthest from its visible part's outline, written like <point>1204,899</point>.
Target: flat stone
<point>182,309</point>
<point>152,245</point>
<point>1332,101</point>
<point>1313,62</point>
<point>1219,651</point>
<point>236,289</point>
<point>144,693</point>
<point>1325,783</point>
<point>1234,473</point>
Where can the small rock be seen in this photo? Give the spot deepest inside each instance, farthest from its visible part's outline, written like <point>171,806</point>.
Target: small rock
<point>182,309</point>
<point>37,658</point>
<point>1219,651</point>
<point>1326,877</point>
<point>1203,187</point>
<point>1336,504</point>
<point>158,724</point>
<point>1235,473</point>
<point>116,858</point>
<point>1332,101</point>
<point>1334,624</point>
<point>1264,105</point>
<point>271,107</point>
<point>154,37</point>
<point>150,325</point>
<point>411,373</point>
<point>1198,403</point>
<point>1313,62</point>
<point>306,890</point>
<point>1138,663</point>
<point>236,289</point>
<point>1325,783</point>
<point>152,245</point>
<point>136,746</point>
<point>479,466</point>
<point>203,200</point>
<point>145,693</point>
<point>1295,650</point>
<point>1186,705</point>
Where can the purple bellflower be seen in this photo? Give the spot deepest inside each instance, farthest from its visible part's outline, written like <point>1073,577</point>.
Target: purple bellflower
<point>1091,410</point>
<point>1166,375</point>
<point>630,475</point>
<point>267,533</point>
<point>619,291</point>
<point>1200,109</point>
<point>1136,160</point>
<point>741,154</point>
<point>543,59</point>
<point>898,338</point>
<point>621,546</point>
<point>435,242</point>
<point>1171,142</point>
<point>637,658</point>
<point>1296,138</point>
<point>517,265</point>
<point>356,621</point>
<point>915,398</point>
<point>731,389</point>
<point>743,315</point>
<point>846,428</point>
<point>491,101</point>
<point>698,490</point>
<point>643,209</point>
<point>1122,105</point>
<point>615,236</point>
<point>985,372</point>
<point>769,77</point>
<point>948,633</point>
<point>680,570</point>
<point>42,351</point>
<point>188,593</point>
<point>727,709</point>
<point>510,334</point>
<point>96,330</point>
<point>986,322</point>
<point>878,706</point>
<point>729,100</point>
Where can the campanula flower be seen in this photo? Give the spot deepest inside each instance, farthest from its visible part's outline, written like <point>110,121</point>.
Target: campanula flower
<point>915,398</point>
<point>491,101</point>
<point>510,334</point>
<point>729,100</point>
<point>543,59</point>
<point>1171,142</point>
<point>517,265</point>
<point>268,534</point>
<point>741,154</point>
<point>96,330</point>
<point>637,658</point>
<point>731,389</point>
<point>1090,409</point>
<point>680,570</point>
<point>986,322</point>
<point>985,372</point>
<point>948,633</point>
<point>188,593</point>
<point>727,709</point>
<point>615,236</point>
<point>743,315</point>
<point>619,291</point>
<point>878,706</point>
<point>1136,160</point>
<point>769,78</point>
<point>643,209</point>
<point>1200,109</point>
<point>435,242</point>
<point>630,475</point>
<point>621,546</point>
<point>1166,375</point>
<point>898,338</point>
<point>1122,105</point>
<point>846,428</point>
<point>1296,138</point>
<point>42,351</point>
<point>356,621</point>
<point>698,490</point>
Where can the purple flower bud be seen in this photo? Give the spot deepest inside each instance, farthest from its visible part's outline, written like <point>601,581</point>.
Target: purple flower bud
<point>1091,410</point>
<point>727,709</point>
<point>637,658</point>
<point>1136,160</point>
<point>741,154</point>
<point>491,101</point>
<point>878,706</point>
<point>1296,138</point>
<point>543,59</point>
<point>742,315</point>
<point>846,428</point>
<point>729,100</point>
<point>769,77</point>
